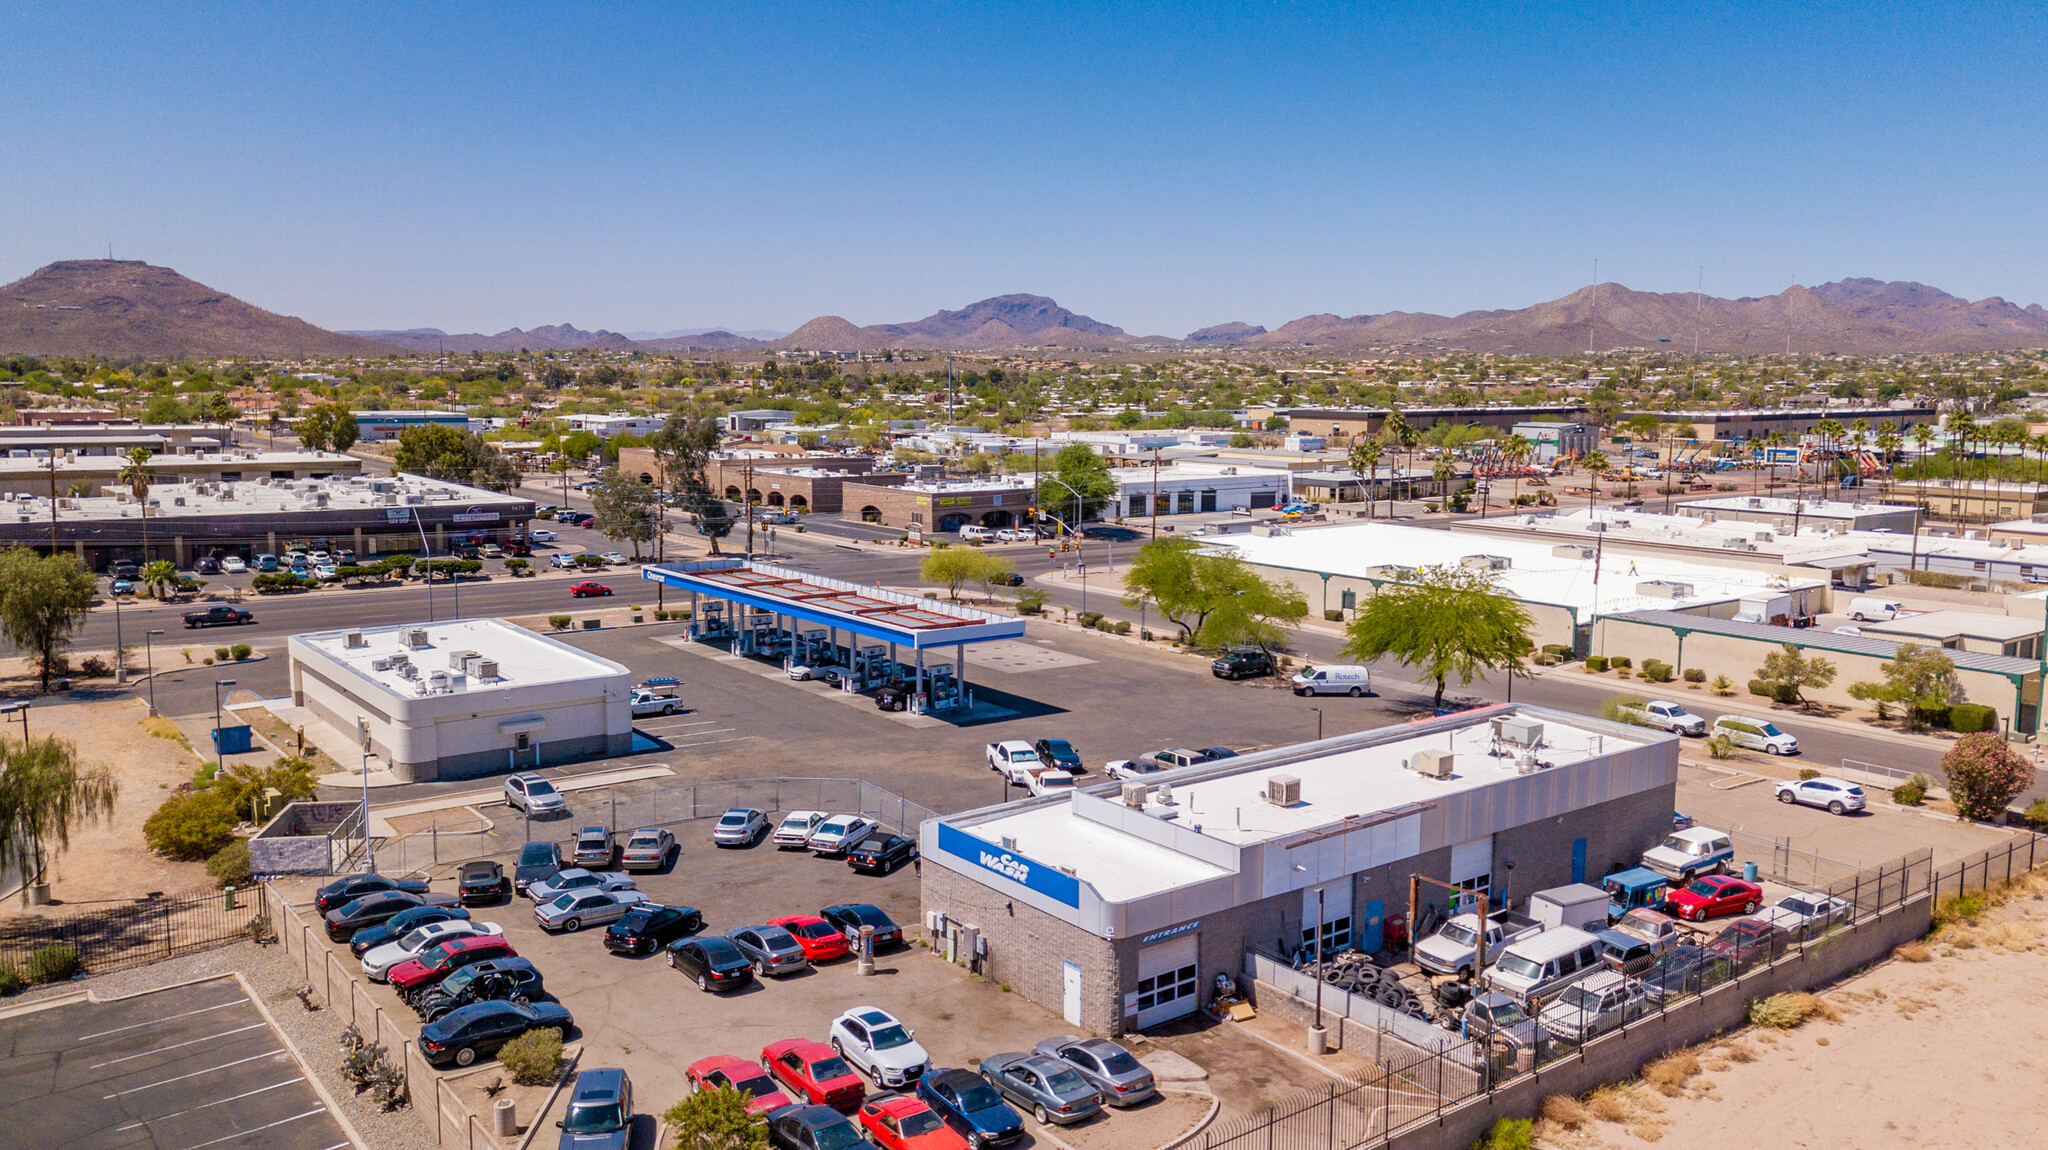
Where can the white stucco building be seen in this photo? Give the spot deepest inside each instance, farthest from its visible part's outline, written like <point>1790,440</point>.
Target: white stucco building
<point>465,698</point>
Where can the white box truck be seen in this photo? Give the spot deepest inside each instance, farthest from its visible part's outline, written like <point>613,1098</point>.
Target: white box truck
<point>1579,905</point>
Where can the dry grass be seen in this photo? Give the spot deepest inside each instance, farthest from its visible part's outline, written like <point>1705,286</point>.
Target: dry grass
<point>1738,1052</point>
<point>1565,1112</point>
<point>1647,1131</point>
<point>1613,1104</point>
<point>1785,1011</point>
<point>1669,1074</point>
<point>1912,952</point>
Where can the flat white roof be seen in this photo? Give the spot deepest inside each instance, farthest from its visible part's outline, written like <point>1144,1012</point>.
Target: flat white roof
<point>1969,624</point>
<point>970,486</point>
<point>1120,866</point>
<point>1780,505</point>
<point>258,496</point>
<point>524,658</point>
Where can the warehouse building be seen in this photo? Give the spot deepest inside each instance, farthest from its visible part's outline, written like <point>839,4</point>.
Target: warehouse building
<point>1118,905</point>
<point>454,700</point>
<point>1785,514</point>
<point>1188,487</point>
<point>76,474</point>
<point>374,425</point>
<point>941,505</point>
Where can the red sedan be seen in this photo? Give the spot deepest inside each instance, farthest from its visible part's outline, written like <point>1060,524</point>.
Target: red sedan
<point>725,1071</point>
<point>904,1122</point>
<point>820,939</point>
<point>815,1072</point>
<point>1715,894</point>
<point>581,590</point>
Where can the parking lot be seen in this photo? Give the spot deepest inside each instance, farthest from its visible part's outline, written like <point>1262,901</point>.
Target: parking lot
<point>192,1067</point>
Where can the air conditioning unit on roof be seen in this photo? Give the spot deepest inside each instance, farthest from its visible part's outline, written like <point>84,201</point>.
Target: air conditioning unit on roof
<point>1283,790</point>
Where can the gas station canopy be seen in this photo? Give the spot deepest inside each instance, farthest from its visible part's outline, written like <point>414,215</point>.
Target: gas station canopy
<point>888,616</point>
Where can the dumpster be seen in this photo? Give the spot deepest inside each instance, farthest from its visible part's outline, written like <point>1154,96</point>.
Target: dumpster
<point>232,740</point>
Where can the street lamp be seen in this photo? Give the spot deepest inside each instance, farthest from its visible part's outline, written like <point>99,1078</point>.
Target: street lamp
<point>219,759</point>
<point>1074,527</point>
<point>1319,723</point>
<point>1318,1038</point>
<point>120,664</point>
<point>429,553</point>
<point>149,653</point>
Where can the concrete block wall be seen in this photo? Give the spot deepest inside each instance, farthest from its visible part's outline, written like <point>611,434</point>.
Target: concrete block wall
<point>1027,948</point>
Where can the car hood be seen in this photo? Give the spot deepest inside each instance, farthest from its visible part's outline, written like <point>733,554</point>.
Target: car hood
<point>616,1140</point>
<point>996,1118</point>
<point>903,1057</point>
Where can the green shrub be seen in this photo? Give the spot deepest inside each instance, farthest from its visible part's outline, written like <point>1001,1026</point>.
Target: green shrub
<point>53,962</point>
<point>516,564</point>
<point>560,622</point>
<point>1624,709</point>
<point>1929,715</point>
<point>1721,746</point>
<point>94,667</point>
<point>1508,1134</point>
<point>1089,618</point>
<point>1561,650</point>
<point>1763,687</point>
<point>221,654</point>
<point>192,825</point>
<point>1656,671</point>
<point>1969,718</point>
<point>2037,812</point>
<point>1123,627</point>
<point>1910,794</point>
<point>1723,685</point>
<point>1596,663</point>
<point>241,651</point>
<point>534,1058</point>
<point>1619,662</point>
<point>1695,675</point>
<point>229,865</point>
<point>1333,615</point>
<point>1787,693</point>
<point>1808,773</point>
<point>11,980</point>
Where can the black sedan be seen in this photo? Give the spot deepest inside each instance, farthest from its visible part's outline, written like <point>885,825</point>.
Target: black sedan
<point>812,1127</point>
<point>467,1033</point>
<point>373,910</point>
<point>1060,753</point>
<point>649,927</point>
<point>713,963</point>
<point>497,980</point>
<point>971,1107</point>
<point>849,917</point>
<point>881,853</point>
<point>537,863</point>
<point>399,924</point>
<point>892,698</point>
<point>482,881</point>
<point>355,886</point>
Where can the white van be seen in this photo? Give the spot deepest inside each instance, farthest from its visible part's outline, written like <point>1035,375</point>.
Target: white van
<point>971,533</point>
<point>1543,965</point>
<point>1873,610</point>
<point>1755,734</point>
<point>1333,680</point>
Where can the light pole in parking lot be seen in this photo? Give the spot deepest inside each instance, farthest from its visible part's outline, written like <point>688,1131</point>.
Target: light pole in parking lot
<point>1319,723</point>
<point>429,553</point>
<point>149,654</point>
<point>219,758</point>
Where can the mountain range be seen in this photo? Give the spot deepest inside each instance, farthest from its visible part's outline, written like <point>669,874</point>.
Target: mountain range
<point>108,307</point>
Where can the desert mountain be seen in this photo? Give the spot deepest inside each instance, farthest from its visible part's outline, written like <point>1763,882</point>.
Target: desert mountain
<point>998,322</point>
<point>1225,333</point>
<point>127,307</point>
<point>548,337</point>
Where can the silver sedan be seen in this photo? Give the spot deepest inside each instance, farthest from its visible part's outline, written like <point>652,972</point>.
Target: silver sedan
<point>1106,1066</point>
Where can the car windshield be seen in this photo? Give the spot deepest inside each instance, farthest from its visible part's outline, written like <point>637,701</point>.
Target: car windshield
<point>1065,1082</point>
<point>1520,967</point>
<point>890,1036</point>
<point>539,787</point>
<point>733,819</point>
<point>1059,747</point>
<point>1504,1013</point>
<point>595,1118</point>
<point>839,1136</point>
<point>460,979</point>
<point>418,938</point>
<point>922,1122</point>
<point>1675,843</point>
<point>1579,997</point>
<point>438,958</point>
<point>826,1069</point>
<point>757,1084</point>
<point>1462,935</point>
<point>1703,888</point>
<point>536,854</point>
<point>1023,756</point>
<point>644,840</point>
<point>979,1096</point>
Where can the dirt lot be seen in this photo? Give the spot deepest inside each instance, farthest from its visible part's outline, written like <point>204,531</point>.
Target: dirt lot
<point>1940,1052</point>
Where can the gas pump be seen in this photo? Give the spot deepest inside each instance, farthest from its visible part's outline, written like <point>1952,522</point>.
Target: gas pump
<point>812,648</point>
<point>870,668</point>
<point>944,690</point>
<point>714,623</point>
<point>761,638</point>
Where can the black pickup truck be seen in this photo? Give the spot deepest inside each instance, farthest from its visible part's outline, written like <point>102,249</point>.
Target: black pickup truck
<point>217,617</point>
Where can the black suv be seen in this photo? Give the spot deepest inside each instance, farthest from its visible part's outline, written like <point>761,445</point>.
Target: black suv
<point>1239,664</point>
<point>648,928</point>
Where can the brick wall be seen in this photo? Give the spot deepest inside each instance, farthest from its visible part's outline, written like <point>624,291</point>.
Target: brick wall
<point>1027,947</point>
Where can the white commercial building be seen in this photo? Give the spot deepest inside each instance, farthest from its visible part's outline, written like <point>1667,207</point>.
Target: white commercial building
<point>612,426</point>
<point>1186,488</point>
<point>457,699</point>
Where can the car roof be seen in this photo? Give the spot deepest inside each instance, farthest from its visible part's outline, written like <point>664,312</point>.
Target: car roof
<point>593,831</point>
<point>803,1047</point>
<point>866,910</point>
<point>872,1015</point>
<point>608,1080</point>
<point>794,920</point>
<point>898,1105</point>
<point>1014,745</point>
<point>804,815</point>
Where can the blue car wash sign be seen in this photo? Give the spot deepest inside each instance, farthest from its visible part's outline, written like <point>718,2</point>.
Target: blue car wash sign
<point>1029,873</point>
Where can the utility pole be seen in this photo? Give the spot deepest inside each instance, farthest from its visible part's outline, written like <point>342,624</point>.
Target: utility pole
<point>747,503</point>
<point>1595,321</point>
<point>1155,493</point>
<point>53,500</point>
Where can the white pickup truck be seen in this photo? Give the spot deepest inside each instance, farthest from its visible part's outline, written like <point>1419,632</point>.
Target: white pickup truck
<point>1020,764</point>
<point>1451,948</point>
<point>1012,753</point>
<point>656,700</point>
<point>1668,716</point>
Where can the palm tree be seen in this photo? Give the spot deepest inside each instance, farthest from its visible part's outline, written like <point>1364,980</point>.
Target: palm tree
<point>159,576</point>
<point>1443,471</point>
<point>1962,427</point>
<point>1516,451</point>
<point>1365,460</point>
<point>1595,464</point>
<point>1401,432</point>
<point>137,476</point>
<point>1888,443</point>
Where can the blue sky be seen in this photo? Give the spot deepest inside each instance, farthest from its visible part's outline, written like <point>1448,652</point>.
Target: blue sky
<point>1161,167</point>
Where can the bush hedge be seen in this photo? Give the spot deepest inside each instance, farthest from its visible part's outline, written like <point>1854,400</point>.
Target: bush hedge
<point>1596,663</point>
<point>279,581</point>
<point>1932,715</point>
<point>53,963</point>
<point>1695,675</point>
<point>241,651</point>
<point>534,1058</point>
<point>1334,615</point>
<point>229,865</point>
<point>1619,662</point>
<point>11,980</point>
<point>1969,718</point>
<point>191,825</point>
<point>1656,671</point>
<point>1763,687</point>
<point>560,622</point>
<point>1787,693</point>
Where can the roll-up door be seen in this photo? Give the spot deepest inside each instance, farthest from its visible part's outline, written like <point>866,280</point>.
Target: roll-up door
<point>1336,899</point>
<point>1169,977</point>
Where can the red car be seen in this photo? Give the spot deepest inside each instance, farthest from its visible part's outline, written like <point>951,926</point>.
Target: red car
<point>1715,894</point>
<point>904,1122</point>
<point>439,961</point>
<point>820,939</point>
<point>815,1072</point>
<point>738,1074</point>
<point>1748,941</point>
<point>580,590</point>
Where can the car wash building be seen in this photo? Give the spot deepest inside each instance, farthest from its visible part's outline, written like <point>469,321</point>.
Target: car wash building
<point>1117,905</point>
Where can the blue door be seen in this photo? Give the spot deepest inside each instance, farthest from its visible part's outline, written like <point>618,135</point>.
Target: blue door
<point>1578,860</point>
<point>1373,937</point>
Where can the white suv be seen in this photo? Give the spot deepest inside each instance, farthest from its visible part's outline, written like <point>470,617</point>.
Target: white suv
<point>533,794</point>
<point>1836,796</point>
<point>879,1046</point>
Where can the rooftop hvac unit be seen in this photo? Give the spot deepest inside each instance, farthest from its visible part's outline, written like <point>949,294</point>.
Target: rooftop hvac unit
<point>1756,501</point>
<point>415,638</point>
<point>1432,764</point>
<point>1738,545</point>
<point>1134,795</point>
<point>320,499</point>
<point>408,670</point>
<point>1664,589</point>
<point>177,501</point>
<point>1519,730</point>
<point>1283,790</point>
<point>456,658</point>
<point>1572,551</point>
<point>437,681</point>
<point>1486,562</point>
<point>1597,527</point>
<point>414,499</point>
<point>354,640</point>
<point>486,669</point>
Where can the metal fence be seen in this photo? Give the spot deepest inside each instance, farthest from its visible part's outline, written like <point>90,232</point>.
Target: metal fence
<point>1332,1115</point>
<point>671,806</point>
<point>1779,861</point>
<point>1992,866</point>
<point>116,935</point>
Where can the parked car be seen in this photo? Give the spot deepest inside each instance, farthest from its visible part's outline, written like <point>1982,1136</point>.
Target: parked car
<point>1242,664</point>
<point>374,910</point>
<point>575,879</point>
<point>460,1037</point>
<point>533,794</point>
<point>1212,754</point>
<point>1747,941</point>
<point>850,917</point>
<point>402,924</point>
<point>481,881</point>
<point>600,1112</point>
<point>771,949</point>
<point>1603,1001</point>
<point>795,828</point>
<point>1333,680</point>
<point>1118,1076</point>
<point>220,616</point>
<point>588,590</point>
<point>1836,796</point>
<point>892,698</point>
<point>838,834</point>
<point>882,853</point>
<point>498,980</point>
<point>1711,896</point>
<point>266,563</point>
<point>437,962</point>
<point>819,939</point>
<point>1667,716</point>
<point>1686,969</point>
<point>879,1045</point>
<point>649,927</point>
<point>538,861</point>
<point>712,962</point>
<point>562,561</point>
<point>906,1122</point>
<point>1756,735</point>
<point>378,960</point>
<point>973,1108</point>
<point>814,1128</point>
<point>542,535</point>
<point>233,565</point>
<point>648,848</point>
<point>814,1072</point>
<point>1053,1092</point>
<point>1803,914</point>
<point>1490,1012</point>
<point>1689,852</point>
<point>1060,753</point>
<point>575,909</point>
<point>593,847</point>
<point>355,886</point>
<point>739,827</point>
<point>206,565</point>
<point>1872,610</point>
<point>1153,762</point>
<point>1012,754</point>
<point>724,1072</point>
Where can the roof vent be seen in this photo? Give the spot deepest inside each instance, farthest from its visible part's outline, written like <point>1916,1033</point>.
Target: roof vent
<point>1134,795</point>
<point>416,637</point>
<point>1283,790</point>
<point>1432,764</point>
<point>355,639</point>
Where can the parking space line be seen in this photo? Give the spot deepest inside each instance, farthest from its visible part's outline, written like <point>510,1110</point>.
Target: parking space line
<point>258,1129</point>
<point>718,731</point>
<point>196,1073</point>
<point>216,1102</point>
<point>161,1021</point>
<point>161,1049</point>
<point>713,742</point>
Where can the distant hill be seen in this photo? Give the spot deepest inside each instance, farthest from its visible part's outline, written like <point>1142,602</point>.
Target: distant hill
<point>683,332</point>
<point>1004,321</point>
<point>127,307</point>
<point>1225,333</point>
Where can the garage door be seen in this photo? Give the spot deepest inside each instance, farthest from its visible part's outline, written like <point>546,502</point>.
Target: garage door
<point>1168,978</point>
